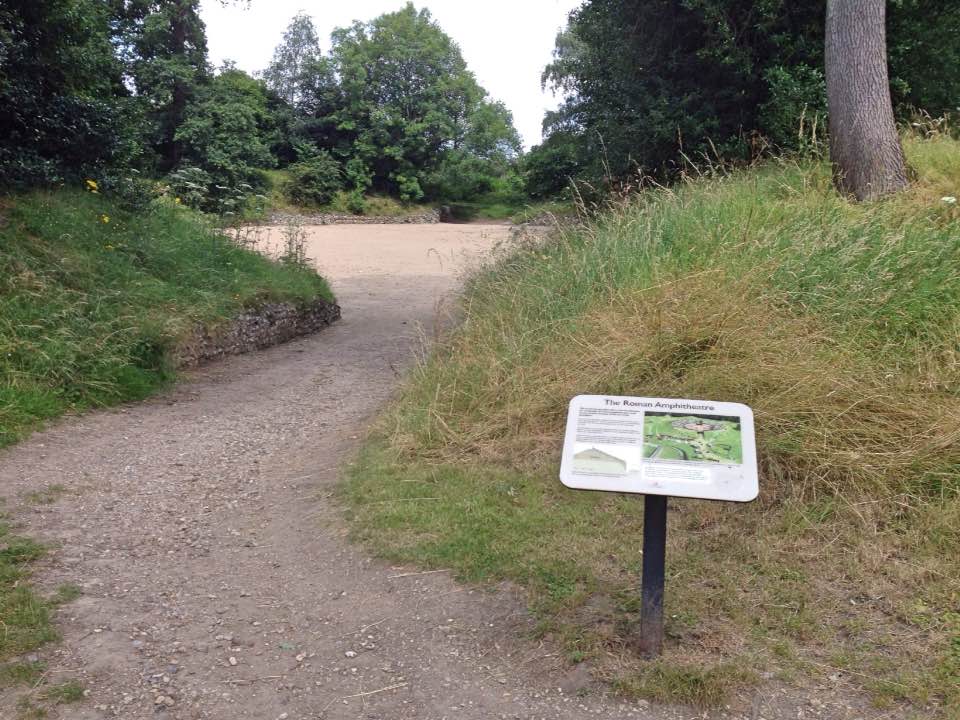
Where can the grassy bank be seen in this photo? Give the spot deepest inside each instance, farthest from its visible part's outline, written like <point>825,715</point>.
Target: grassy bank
<point>837,322</point>
<point>92,298</point>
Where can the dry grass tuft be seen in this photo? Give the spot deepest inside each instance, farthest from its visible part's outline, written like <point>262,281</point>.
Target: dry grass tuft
<point>838,324</point>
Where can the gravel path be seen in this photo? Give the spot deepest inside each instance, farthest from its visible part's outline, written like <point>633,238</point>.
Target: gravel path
<point>217,580</point>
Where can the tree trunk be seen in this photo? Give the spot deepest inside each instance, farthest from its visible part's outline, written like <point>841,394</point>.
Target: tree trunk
<point>864,144</point>
<point>178,101</point>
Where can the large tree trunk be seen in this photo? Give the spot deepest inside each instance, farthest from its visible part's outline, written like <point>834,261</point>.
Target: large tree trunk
<point>864,144</point>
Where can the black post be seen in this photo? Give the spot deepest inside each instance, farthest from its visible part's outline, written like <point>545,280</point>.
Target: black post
<point>654,556</point>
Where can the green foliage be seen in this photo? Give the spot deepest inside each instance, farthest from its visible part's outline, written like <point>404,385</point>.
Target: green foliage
<point>923,48</point>
<point>314,180</point>
<point>461,176</point>
<point>395,104</point>
<point>549,168</point>
<point>650,84</point>
<point>64,693</point>
<point>794,114</point>
<point>292,73</point>
<point>224,134</point>
<point>405,86</point>
<point>64,115</point>
<point>191,186</point>
<point>164,48</point>
<point>26,616</point>
<point>127,188</point>
<point>94,297</point>
<point>356,202</point>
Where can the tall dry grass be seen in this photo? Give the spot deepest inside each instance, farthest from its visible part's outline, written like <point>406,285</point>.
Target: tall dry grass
<point>838,323</point>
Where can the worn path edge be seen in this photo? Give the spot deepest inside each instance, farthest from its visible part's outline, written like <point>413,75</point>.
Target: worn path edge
<point>216,575</point>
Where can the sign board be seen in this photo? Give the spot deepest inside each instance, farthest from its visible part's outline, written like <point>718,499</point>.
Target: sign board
<point>660,446</point>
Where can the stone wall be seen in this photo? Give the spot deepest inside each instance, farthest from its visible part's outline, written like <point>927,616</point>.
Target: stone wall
<point>255,329</point>
<point>427,218</point>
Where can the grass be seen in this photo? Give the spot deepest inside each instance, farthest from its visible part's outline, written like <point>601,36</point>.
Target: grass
<point>93,298</point>
<point>836,322</point>
<point>26,615</point>
<point>45,496</point>
<point>27,625</point>
<point>64,693</point>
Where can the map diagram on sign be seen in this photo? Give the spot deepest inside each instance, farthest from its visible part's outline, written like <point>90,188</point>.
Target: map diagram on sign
<point>695,438</point>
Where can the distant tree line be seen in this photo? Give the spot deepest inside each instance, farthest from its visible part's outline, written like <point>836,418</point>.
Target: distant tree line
<point>99,87</point>
<point>394,106</point>
<point>648,83</point>
<point>106,87</point>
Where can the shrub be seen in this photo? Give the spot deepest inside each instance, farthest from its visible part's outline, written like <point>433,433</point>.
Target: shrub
<point>190,185</point>
<point>356,202</point>
<point>128,190</point>
<point>314,181</point>
<point>460,177</point>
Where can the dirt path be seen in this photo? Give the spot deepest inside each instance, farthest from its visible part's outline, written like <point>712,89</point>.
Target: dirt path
<point>216,578</point>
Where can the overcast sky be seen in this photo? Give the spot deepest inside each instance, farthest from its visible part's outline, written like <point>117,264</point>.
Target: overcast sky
<point>506,43</point>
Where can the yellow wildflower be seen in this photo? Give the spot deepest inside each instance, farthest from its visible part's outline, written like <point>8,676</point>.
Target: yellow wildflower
<point>92,185</point>
<point>104,219</point>
<point>177,200</point>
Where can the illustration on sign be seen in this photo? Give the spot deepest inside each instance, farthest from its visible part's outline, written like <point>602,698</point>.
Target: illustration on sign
<point>660,446</point>
<point>594,460</point>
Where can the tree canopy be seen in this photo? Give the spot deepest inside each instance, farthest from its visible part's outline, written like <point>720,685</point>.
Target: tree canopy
<point>61,91</point>
<point>390,107</point>
<point>408,106</point>
<point>646,82</point>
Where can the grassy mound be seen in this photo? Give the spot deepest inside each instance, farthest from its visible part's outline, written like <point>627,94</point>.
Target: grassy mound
<point>92,298</point>
<point>837,323</point>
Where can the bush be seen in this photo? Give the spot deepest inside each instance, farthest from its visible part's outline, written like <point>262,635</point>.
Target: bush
<point>549,167</point>
<point>190,185</point>
<point>314,181</point>
<point>356,202</point>
<point>460,177</point>
<point>63,116</point>
<point>796,108</point>
<point>128,190</point>
<point>196,188</point>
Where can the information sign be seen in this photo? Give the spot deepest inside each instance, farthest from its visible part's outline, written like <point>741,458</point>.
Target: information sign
<point>660,446</point>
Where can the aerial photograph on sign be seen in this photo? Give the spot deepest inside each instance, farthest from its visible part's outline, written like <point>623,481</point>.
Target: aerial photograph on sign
<point>692,438</point>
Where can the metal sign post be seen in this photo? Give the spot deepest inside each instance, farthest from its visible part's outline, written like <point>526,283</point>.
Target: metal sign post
<point>659,447</point>
<point>651,583</point>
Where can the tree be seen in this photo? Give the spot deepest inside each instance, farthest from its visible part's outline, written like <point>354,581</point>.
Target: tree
<point>864,144</point>
<point>923,48</point>
<point>165,45</point>
<point>406,88</point>
<point>65,111</point>
<point>648,82</point>
<point>294,61</point>
<point>410,105</point>
<point>226,128</point>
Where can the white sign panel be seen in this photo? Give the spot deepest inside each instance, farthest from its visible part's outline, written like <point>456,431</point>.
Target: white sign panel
<point>660,446</point>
